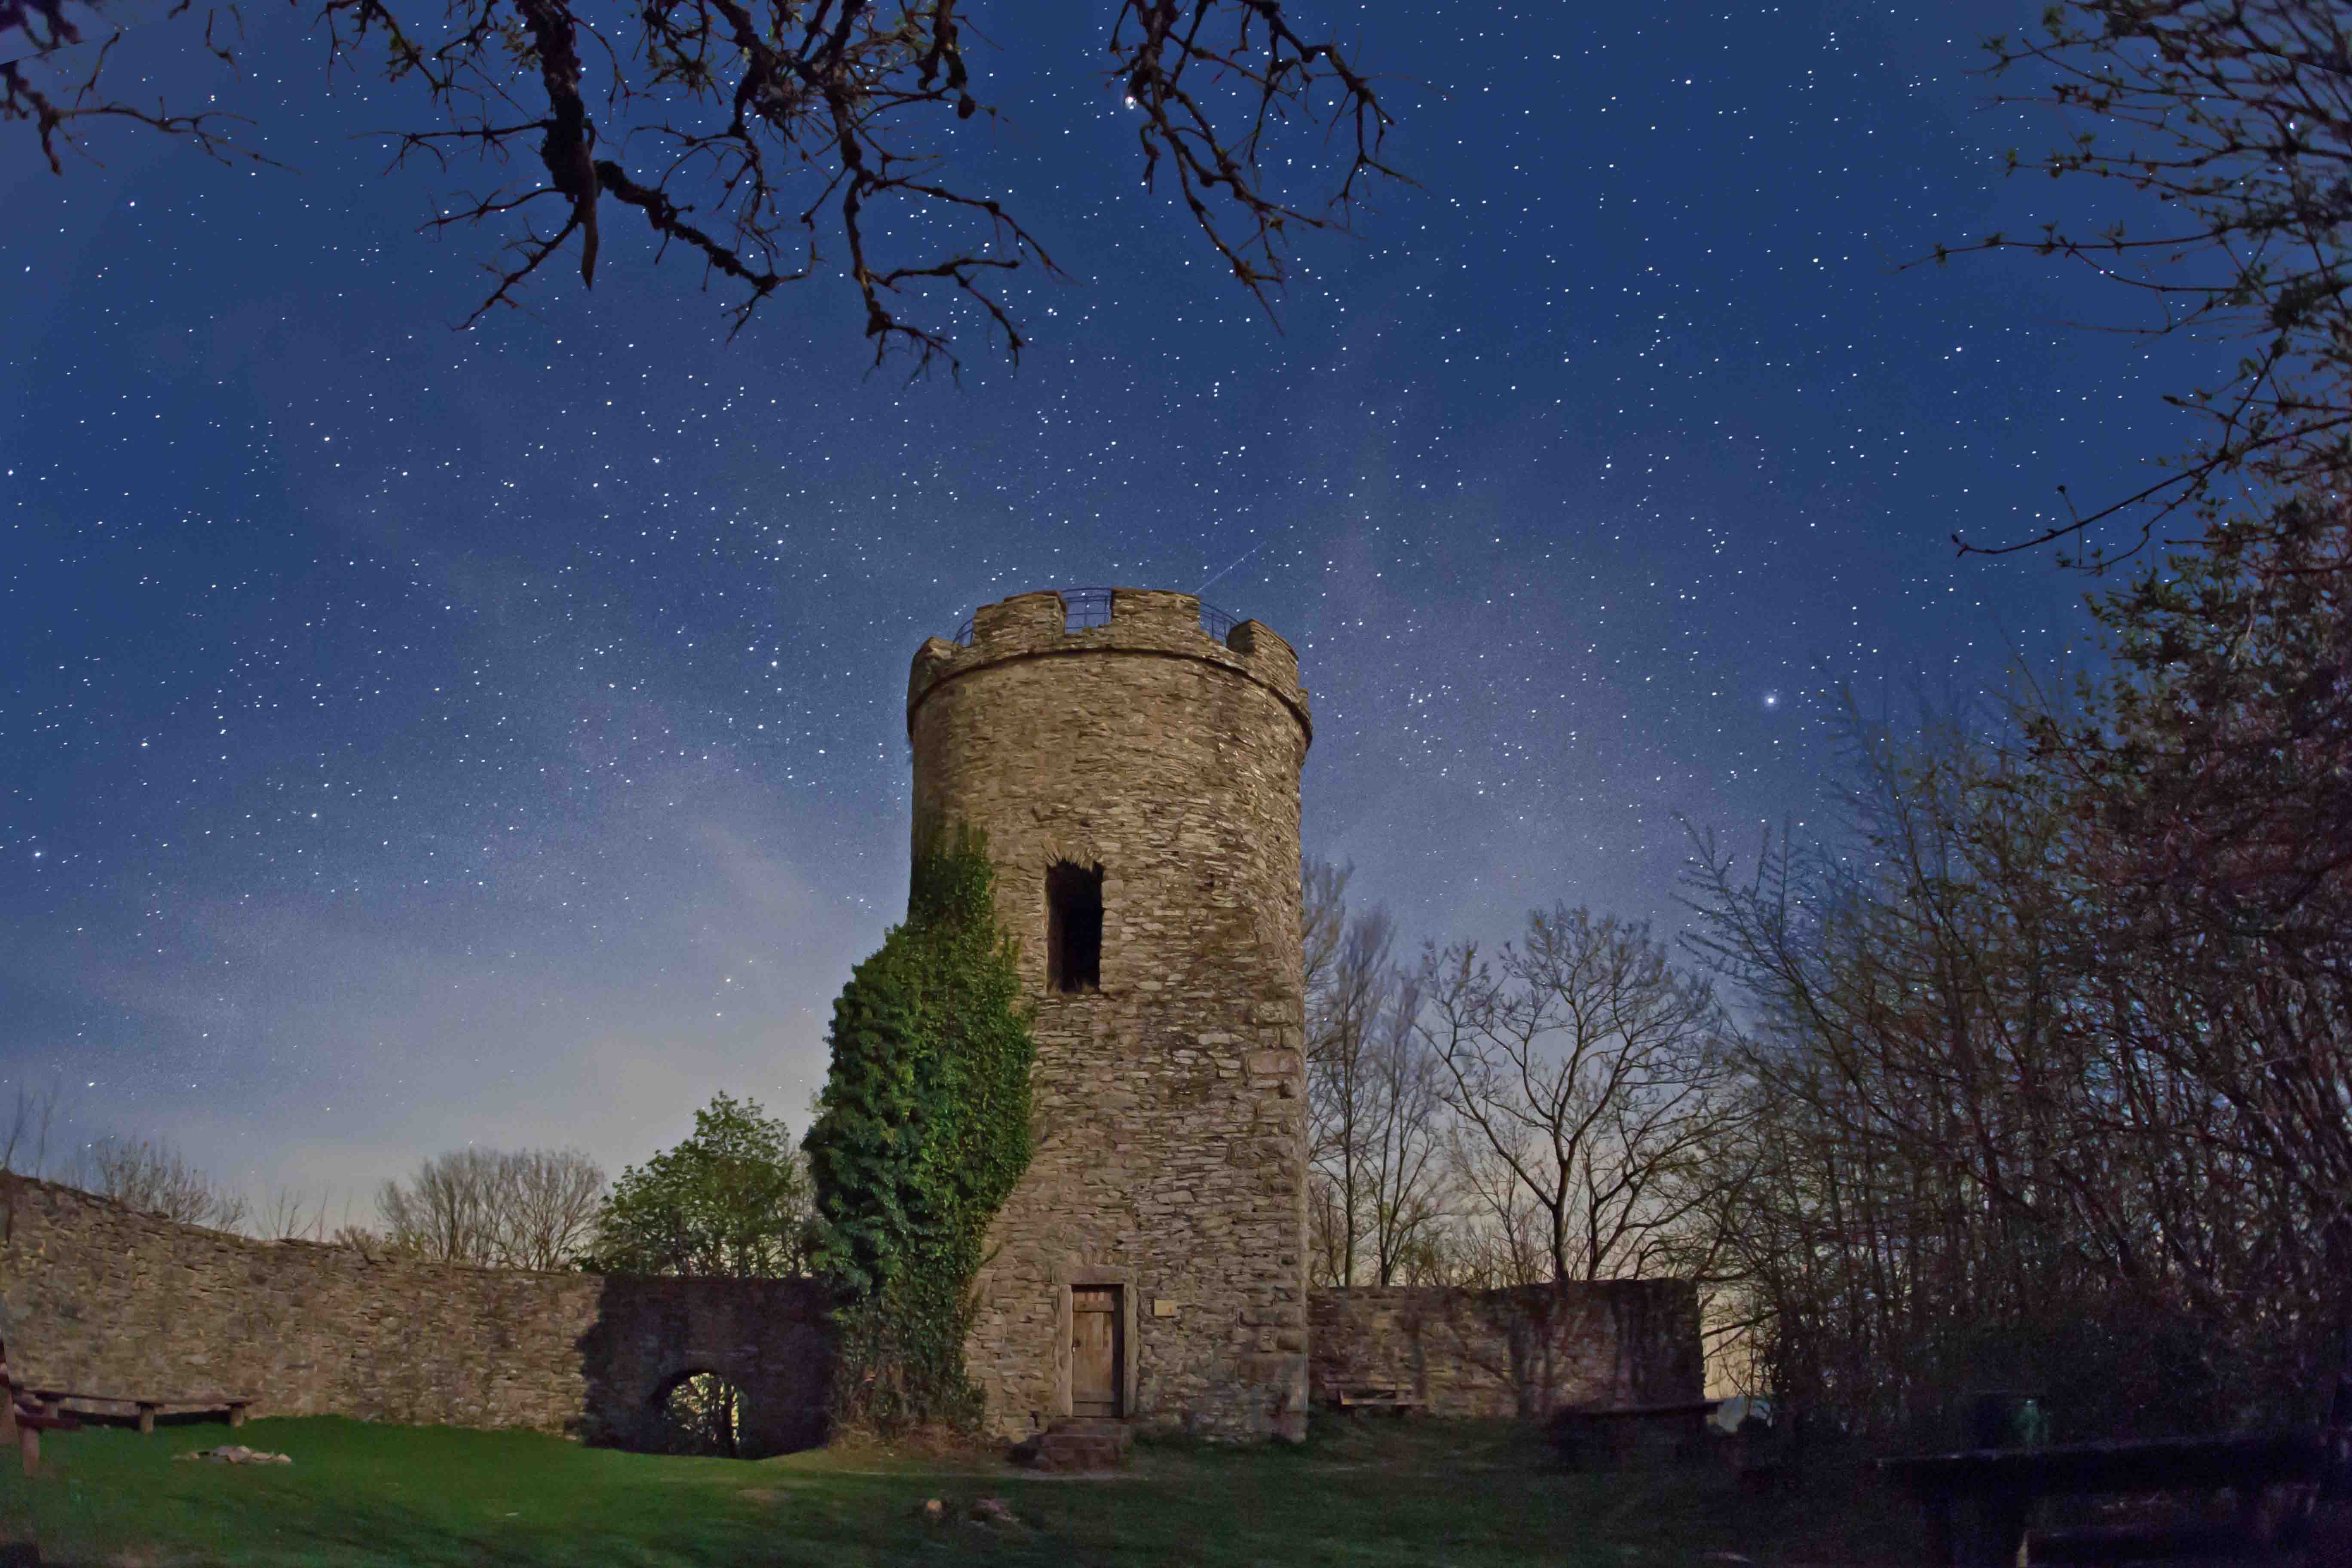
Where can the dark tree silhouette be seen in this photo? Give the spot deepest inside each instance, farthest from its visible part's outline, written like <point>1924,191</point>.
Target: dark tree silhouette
<point>2236,116</point>
<point>773,141</point>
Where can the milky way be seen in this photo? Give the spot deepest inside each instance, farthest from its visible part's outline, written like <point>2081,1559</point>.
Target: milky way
<point>416,738</point>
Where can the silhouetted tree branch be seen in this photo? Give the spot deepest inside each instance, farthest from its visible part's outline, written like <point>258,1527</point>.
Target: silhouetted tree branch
<point>35,39</point>
<point>529,1209</point>
<point>775,139</point>
<point>153,1175</point>
<point>1377,1187</point>
<point>2236,115</point>
<point>1590,1078</point>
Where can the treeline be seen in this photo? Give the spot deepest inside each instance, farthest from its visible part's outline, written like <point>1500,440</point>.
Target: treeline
<point>2052,1052</point>
<point>732,1199</point>
<point>2037,1073</point>
<point>2042,1071</point>
<point>2054,1056</point>
<point>1552,1110</point>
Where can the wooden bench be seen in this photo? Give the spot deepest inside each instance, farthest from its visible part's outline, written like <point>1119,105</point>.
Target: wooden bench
<point>1616,1429</point>
<point>26,1425</point>
<point>231,1406</point>
<point>1394,1398</point>
<point>30,1425</point>
<point>1980,1504</point>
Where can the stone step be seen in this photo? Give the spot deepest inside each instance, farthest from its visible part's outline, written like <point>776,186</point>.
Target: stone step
<point>1078,1445</point>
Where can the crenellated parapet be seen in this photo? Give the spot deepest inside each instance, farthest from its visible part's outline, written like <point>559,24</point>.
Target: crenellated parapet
<point>1144,622</point>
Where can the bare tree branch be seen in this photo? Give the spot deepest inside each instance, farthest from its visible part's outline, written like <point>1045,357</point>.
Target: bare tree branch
<point>761,135</point>
<point>2236,116</point>
<point>153,1175</point>
<point>1591,1074</point>
<point>1378,1184</point>
<point>532,1208</point>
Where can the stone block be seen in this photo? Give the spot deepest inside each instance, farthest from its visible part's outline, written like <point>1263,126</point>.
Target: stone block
<point>300,1329</point>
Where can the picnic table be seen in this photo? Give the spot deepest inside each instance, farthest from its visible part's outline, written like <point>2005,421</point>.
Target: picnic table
<point>23,1424</point>
<point>29,1428</point>
<point>1980,1503</point>
<point>1617,1429</point>
<point>27,1411</point>
<point>233,1406</point>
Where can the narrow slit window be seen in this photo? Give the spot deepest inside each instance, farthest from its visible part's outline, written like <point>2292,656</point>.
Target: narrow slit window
<point>1074,927</point>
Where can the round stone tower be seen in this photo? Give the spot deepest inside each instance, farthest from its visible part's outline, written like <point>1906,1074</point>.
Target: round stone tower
<point>1134,764</point>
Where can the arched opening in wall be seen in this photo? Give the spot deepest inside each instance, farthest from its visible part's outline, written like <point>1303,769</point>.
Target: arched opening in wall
<point>1074,926</point>
<point>701,1413</point>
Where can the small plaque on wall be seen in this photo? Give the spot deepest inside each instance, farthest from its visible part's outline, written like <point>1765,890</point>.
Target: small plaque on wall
<point>1161,1307</point>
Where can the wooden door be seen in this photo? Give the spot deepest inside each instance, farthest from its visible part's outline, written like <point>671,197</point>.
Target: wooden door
<point>1097,1355</point>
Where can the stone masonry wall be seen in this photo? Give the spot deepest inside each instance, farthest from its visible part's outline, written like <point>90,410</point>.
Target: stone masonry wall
<point>104,1300</point>
<point>1170,1128</point>
<point>1525,1351</point>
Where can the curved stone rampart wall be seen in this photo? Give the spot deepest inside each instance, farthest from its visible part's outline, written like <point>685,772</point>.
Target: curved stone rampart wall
<point>105,1299</point>
<point>1170,1127</point>
<point>108,1300</point>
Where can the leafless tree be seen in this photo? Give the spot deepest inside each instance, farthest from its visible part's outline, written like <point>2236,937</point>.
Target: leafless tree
<point>1348,1009</point>
<point>1322,928</point>
<point>153,1175</point>
<point>1591,1080</point>
<point>446,1211</point>
<point>1328,1261</point>
<point>1404,1146</point>
<point>2236,116</point>
<point>2053,1048</point>
<point>1499,1239</point>
<point>1377,1198</point>
<point>552,1196</point>
<point>1909,1199</point>
<point>756,136</point>
<point>532,1208</point>
<point>286,1216</point>
<point>26,1150</point>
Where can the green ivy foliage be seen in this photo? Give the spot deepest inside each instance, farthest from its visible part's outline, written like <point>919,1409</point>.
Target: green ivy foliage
<point>920,1133</point>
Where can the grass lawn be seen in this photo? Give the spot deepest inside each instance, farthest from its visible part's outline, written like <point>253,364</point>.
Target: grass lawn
<point>1372,1493</point>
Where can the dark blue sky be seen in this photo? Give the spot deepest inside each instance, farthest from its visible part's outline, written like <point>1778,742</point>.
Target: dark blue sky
<point>413,738</point>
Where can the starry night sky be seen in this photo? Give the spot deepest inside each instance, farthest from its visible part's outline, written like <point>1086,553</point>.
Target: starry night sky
<point>413,738</point>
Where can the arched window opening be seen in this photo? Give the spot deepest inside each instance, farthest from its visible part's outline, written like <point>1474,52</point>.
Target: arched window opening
<point>702,1413</point>
<point>1074,927</point>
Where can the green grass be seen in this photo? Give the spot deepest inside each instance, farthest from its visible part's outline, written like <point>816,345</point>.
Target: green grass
<point>1370,1494</point>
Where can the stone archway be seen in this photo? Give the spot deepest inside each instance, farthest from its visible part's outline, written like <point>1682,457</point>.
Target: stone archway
<point>701,1413</point>
<point>764,1340</point>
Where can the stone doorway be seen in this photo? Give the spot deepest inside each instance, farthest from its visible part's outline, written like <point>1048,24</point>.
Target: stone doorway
<point>1097,1351</point>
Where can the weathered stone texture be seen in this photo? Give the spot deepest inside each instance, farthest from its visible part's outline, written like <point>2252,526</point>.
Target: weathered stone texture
<point>1170,1124</point>
<point>111,1301</point>
<point>1525,1351</point>
<point>1171,1129</point>
<point>767,1337</point>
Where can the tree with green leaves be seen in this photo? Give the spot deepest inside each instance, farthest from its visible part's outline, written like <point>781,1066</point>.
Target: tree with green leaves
<point>921,1131</point>
<point>731,1200</point>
